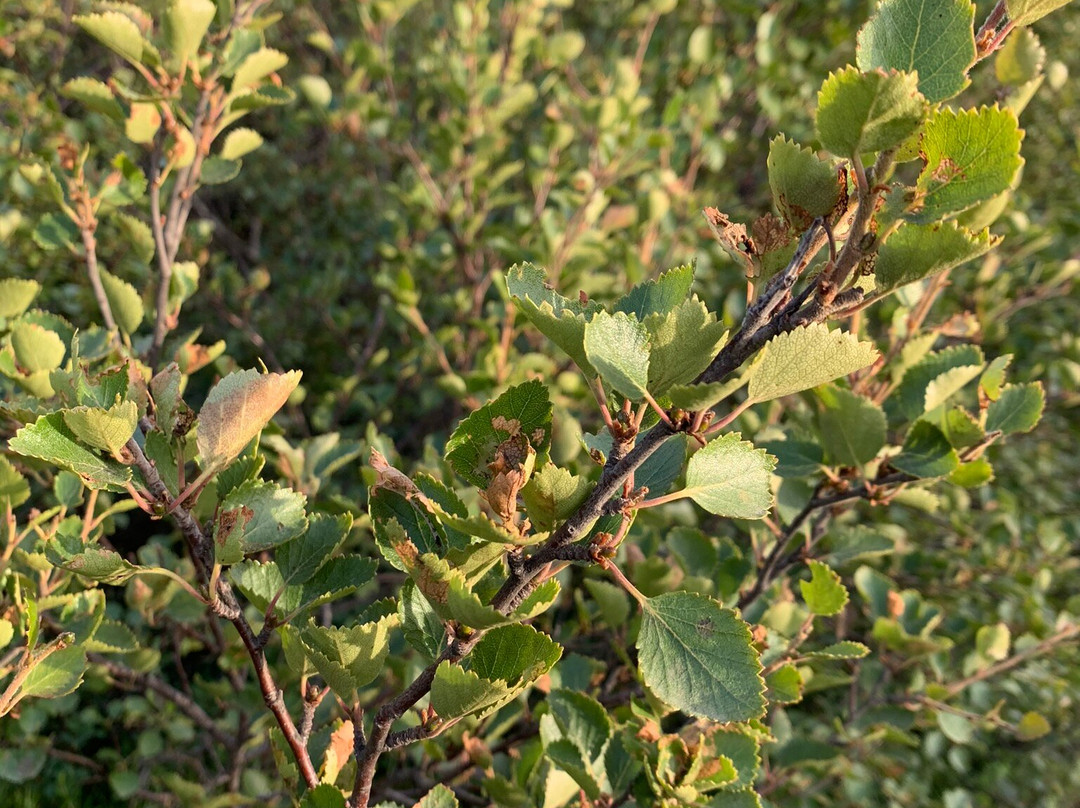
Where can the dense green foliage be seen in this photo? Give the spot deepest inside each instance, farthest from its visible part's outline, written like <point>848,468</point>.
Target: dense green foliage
<point>555,514</point>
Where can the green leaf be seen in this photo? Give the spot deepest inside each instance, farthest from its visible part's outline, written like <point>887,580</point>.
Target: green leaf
<point>806,357</point>
<point>658,296</point>
<point>142,123</point>
<point>957,728</point>
<point>524,410</point>
<point>266,96</point>
<point>124,300</point>
<point>517,654</point>
<point>824,593</point>
<point>348,658</point>
<point>1020,59</point>
<point>1018,408</point>
<point>95,95</point>
<point>934,38</point>
<point>612,601</point>
<point>914,394</point>
<point>258,66</point>
<point>36,348</point>
<point>840,650</point>
<point>419,623</point>
<point>993,378</point>
<point>970,156</point>
<point>16,294</point>
<point>785,685</point>
<point>438,797</point>
<point>803,186</point>
<point>302,557</point>
<point>186,23</point>
<point>729,477</point>
<point>115,31</point>
<point>57,675</point>
<point>14,489</point>
<point>926,452</point>
<point>618,348</point>
<point>68,551</point>
<point>137,235</point>
<point>55,232</point>
<point>337,578</point>
<point>552,494</point>
<point>257,516</point>
<point>795,458</point>
<point>505,661</point>
<point>698,397</point>
<point>1025,12</point>
<point>112,637</point>
<point>852,428</point>
<point>240,142</point>
<point>973,473</point>
<point>237,409</point>
<point>683,341</point>
<point>559,319</point>
<point>697,656</point>
<point>104,429</point>
<point>324,795</point>
<point>218,171</point>
<point>49,439</point>
<point>868,112</point>
<point>914,252</point>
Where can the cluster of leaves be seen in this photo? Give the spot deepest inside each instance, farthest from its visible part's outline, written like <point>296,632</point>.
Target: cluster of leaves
<point>499,551</point>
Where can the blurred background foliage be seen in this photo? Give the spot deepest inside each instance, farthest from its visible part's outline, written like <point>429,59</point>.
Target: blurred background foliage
<point>434,144</point>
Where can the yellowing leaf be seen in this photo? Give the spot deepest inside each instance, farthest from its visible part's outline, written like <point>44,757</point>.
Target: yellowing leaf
<point>237,409</point>
<point>104,429</point>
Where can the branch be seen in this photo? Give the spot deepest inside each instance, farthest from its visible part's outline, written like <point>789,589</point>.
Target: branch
<point>90,245</point>
<point>1070,632</point>
<point>225,605</point>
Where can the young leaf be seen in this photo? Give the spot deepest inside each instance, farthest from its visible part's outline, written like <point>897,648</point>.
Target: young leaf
<point>785,685</point>
<point>852,428</point>
<point>618,347</point>
<point>115,31</point>
<point>104,429</point>
<point>524,410</point>
<point>1031,726</point>
<point>552,494</point>
<point>348,658</point>
<point>124,300</point>
<point>36,348</point>
<point>912,393</point>
<point>729,477</point>
<point>57,675</point>
<point>14,490</point>
<point>419,623</point>
<point>697,656</point>
<point>438,797</point>
<point>824,593</point>
<point>806,357</point>
<point>926,452</point>
<point>933,38</point>
<point>971,155</point>
<point>1025,12</point>
<point>868,112</point>
<point>558,318</point>
<point>1017,409</point>
<point>186,23</point>
<point>239,142</point>
<point>803,187</point>
<point>237,409</point>
<point>1020,59</point>
<point>913,252</point>
<point>258,66</point>
<point>95,95</point>
<point>218,171</point>
<point>840,650</point>
<point>658,296</point>
<point>49,439</point>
